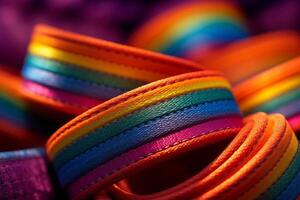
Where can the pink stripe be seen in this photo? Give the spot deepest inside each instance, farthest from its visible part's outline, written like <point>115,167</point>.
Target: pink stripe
<point>61,96</point>
<point>295,122</point>
<point>148,149</point>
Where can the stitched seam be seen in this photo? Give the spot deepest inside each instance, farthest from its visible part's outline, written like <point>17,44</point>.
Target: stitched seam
<point>241,160</point>
<point>107,61</point>
<point>119,52</point>
<point>132,113</point>
<point>269,171</point>
<point>239,144</point>
<point>78,156</point>
<point>270,187</point>
<point>122,100</point>
<point>149,154</point>
<point>254,169</point>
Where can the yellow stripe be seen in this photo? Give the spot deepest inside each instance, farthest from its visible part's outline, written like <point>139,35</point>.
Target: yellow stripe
<point>276,172</point>
<point>136,103</point>
<point>95,64</point>
<point>269,93</point>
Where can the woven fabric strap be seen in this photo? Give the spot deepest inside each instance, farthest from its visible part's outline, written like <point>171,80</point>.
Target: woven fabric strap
<point>24,175</point>
<point>98,152</point>
<point>71,73</point>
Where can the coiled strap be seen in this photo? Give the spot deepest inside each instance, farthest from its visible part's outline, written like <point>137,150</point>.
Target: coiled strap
<point>144,126</point>
<point>262,162</point>
<point>24,175</point>
<point>72,73</point>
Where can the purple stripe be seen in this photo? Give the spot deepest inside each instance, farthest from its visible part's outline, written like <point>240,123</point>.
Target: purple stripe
<point>148,149</point>
<point>290,109</point>
<point>24,177</point>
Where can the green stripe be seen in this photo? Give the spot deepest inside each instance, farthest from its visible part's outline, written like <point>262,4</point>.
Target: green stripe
<point>138,117</point>
<point>82,74</point>
<point>284,180</point>
<point>278,101</point>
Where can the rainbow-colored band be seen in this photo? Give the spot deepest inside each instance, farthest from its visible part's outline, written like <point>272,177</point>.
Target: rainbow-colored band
<point>262,162</point>
<point>193,26</point>
<point>72,73</point>
<point>139,124</point>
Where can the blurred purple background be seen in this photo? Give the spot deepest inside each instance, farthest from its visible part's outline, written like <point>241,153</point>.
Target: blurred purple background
<point>115,20</point>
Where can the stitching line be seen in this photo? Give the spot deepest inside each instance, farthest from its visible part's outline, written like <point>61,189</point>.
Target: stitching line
<point>270,170</point>
<point>132,113</point>
<point>253,170</point>
<point>124,53</point>
<point>123,99</point>
<point>149,154</point>
<point>78,156</point>
<point>103,60</point>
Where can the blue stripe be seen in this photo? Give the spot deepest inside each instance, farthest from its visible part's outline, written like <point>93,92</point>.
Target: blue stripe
<point>27,153</point>
<point>289,110</point>
<point>70,84</point>
<point>214,32</point>
<point>143,134</point>
<point>293,189</point>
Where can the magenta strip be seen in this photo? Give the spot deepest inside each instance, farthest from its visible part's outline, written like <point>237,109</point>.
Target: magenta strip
<point>135,155</point>
<point>61,96</point>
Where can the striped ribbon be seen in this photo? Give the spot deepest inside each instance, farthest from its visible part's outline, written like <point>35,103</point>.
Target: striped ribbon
<point>110,148</point>
<point>242,61</point>
<point>141,126</point>
<point>262,162</point>
<point>72,73</point>
<point>24,175</point>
